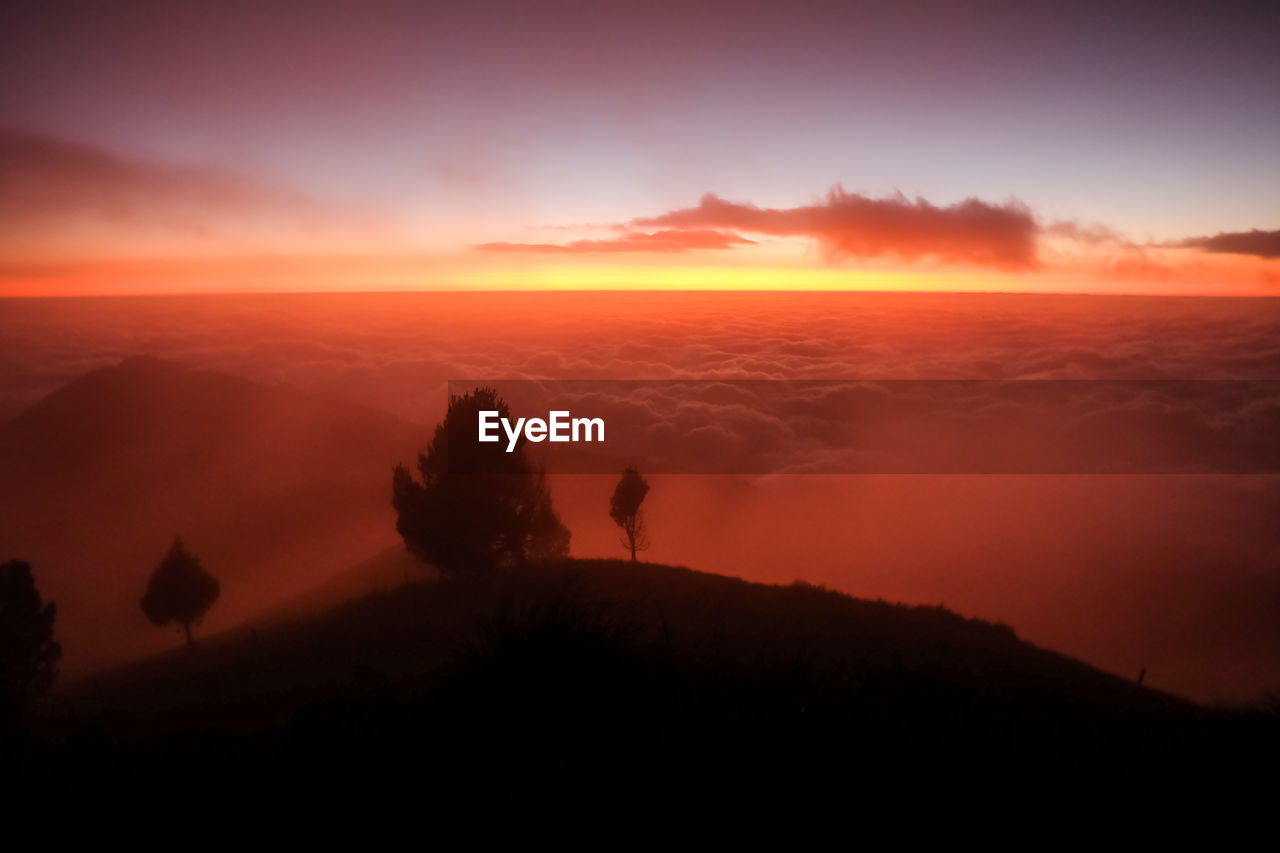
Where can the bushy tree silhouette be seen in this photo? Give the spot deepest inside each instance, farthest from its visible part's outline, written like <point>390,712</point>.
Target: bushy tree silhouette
<point>625,510</point>
<point>477,506</point>
<point>180,591</point>
<point>28,654</point>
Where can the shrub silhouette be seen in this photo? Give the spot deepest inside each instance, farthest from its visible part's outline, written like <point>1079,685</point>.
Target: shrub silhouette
<point>625,510</point>
<point>180,591</point>
<point>28,654</point>
<point>477,506</point>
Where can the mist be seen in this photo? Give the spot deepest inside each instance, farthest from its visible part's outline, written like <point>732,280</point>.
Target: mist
<point>288,486</point>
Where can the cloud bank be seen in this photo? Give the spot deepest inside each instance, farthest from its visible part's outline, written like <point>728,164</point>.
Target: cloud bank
<point>667,240</point>
<point>45,177</point>
<point>66,203</point>
<point>1262,244</point>
<point>1180,575</point>
<point>1006,237</point>
<point>851,225</point>
<point>845,225</point>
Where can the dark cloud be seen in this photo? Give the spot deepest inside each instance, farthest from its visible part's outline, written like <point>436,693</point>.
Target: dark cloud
<point>669,240</point>
<point>851,225</point>
<point>846,225</point>
<point>42,178</point>
<point>1262,244</point>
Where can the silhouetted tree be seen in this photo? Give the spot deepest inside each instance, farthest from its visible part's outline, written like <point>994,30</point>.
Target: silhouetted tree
<point>28,654</point>
<point>624,509</point>
<point>477,506</point>
<point>180,591</point>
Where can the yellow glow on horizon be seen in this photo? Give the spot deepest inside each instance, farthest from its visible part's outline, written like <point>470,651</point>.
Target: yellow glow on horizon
<point>421,272</point>
<point>730,278</point>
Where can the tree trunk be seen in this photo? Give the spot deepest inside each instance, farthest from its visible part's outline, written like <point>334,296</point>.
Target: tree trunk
<point>632,540</point>
<point>191,644</point>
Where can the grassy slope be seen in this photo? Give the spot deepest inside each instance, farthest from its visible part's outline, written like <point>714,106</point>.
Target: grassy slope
<point>262,673</point>
<point>603,670</point>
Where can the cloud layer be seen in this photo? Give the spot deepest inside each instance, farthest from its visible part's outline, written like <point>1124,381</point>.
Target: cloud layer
<point>1180,575</point>
<point>1262,244</point>
<point>66,204</point>
<point>972,233</point>
<point>45,177</point>
<point>851,225</point>
<point>845,225</point>
<point>667,240</point>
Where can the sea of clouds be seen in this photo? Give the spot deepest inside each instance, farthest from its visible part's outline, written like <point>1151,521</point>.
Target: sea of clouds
<point>1179,574</point>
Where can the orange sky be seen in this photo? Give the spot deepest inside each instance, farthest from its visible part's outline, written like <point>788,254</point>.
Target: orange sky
<point>85,221</point>
<point>1046,147</point>
<point>1177,271</point>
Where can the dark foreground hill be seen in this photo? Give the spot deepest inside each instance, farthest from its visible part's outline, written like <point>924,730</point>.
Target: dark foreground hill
<point>601,669</point>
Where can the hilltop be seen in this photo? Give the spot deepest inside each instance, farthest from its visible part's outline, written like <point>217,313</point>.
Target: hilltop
<point>585,666</point>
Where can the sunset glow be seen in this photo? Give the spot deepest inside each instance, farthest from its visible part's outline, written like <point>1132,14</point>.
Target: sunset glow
<point>523,398</point>
<point>432,148</point>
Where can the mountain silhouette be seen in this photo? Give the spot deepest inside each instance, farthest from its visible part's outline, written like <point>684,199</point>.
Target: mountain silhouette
<point>410,629</point>
<point>601,669</point>
<point>276,489</point>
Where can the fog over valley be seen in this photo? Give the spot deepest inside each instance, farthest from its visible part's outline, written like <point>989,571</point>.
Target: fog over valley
<point>263,430</point>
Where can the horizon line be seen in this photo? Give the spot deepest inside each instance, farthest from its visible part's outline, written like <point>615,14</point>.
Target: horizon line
<point>638,290</point>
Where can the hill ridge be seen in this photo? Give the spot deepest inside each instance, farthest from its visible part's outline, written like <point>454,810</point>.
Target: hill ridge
<point>419,630</point>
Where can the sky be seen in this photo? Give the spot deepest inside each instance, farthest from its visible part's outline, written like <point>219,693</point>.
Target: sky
<point>242,146</point>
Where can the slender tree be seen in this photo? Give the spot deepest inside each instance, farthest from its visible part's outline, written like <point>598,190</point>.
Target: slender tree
<point>477,506</point>
<point>626,512</point>
<point>28,654</point>
<point>180,591</point>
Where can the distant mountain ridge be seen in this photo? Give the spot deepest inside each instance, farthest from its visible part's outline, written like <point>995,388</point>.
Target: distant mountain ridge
<point>274,489</point>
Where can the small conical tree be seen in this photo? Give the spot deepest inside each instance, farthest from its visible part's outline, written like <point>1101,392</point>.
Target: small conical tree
<point>180,591</point>
<point>624,509</point>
